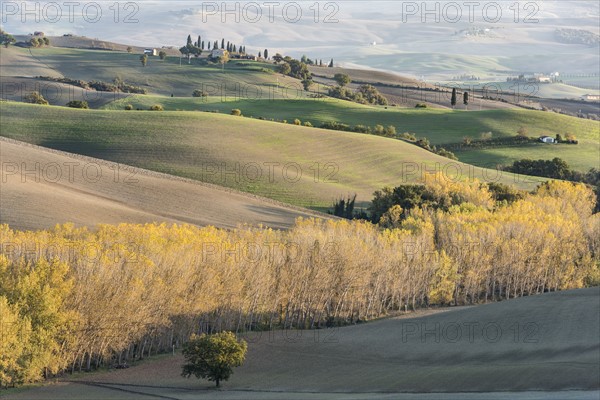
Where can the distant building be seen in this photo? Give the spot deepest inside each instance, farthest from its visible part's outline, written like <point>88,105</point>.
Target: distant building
<point>590,97</point>
<point>151,52</point>
<point>216,53</point>
<point>547,139</point>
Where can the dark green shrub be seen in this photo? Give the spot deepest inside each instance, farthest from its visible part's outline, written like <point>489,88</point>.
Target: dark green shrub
<point>78,104</point>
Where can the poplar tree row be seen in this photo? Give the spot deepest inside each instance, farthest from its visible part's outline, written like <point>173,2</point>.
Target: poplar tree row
<point>74,299</point>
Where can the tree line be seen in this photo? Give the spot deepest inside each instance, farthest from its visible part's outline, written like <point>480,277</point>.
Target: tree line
<point>74,299</point>
<point>557,168</point>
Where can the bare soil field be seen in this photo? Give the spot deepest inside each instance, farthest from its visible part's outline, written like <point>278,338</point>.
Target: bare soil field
<point>540,347</point>
<point>41,187</point>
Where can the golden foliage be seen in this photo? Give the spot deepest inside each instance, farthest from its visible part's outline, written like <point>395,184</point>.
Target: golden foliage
<point>86,297</point>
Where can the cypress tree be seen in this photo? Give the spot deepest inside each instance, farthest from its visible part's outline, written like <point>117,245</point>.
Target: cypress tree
<point>453,99</point>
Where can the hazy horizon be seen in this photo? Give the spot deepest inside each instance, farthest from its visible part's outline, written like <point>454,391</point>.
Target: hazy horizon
<point>398,36</point>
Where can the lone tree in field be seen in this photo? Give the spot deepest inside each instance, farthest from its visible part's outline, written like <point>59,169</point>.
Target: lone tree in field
<point>466,99</point>
<point>213,357</point>
<point>342,79</point>
<point>453,99</point>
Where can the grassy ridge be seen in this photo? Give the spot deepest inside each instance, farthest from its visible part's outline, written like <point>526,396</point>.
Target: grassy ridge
<point>297,165</point>
<point>254,88</point>
<point>439,126</point>
<point>164,77</point>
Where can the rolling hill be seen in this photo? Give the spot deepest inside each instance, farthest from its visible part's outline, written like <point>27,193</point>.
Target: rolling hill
<point>303,166</point>
<point>41,188</point>
<point>163,77</point>
<point>539,347</point>
<point>441,127</point>
<point>259,92</point>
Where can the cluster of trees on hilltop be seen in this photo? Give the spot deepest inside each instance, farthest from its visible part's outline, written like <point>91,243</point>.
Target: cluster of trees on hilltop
<point>85,298</point>
<point>294,68</point>
<point>195,48</point>
<point>39,42</point>
<point>365,94</point>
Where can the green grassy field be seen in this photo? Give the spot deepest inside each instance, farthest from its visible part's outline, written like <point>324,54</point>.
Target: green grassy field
<point>297,165</point>
<point>163,77</point>
<point>439,126</point>
<point>258,92</point>
<point>582,157</point>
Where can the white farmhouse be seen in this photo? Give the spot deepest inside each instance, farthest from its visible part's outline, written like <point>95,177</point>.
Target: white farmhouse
<point>547,139</point>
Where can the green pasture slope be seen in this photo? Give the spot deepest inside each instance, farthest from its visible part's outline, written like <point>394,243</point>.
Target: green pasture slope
<point>162,77</point>
<point>259,92</point>
<point>441,127</point>
<point>302,166</point>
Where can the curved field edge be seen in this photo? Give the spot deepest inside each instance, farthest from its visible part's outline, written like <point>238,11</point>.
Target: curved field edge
<point>548,347</point>
<point>42,187</point>
<point>440,127</point>
<point>302,166</point>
